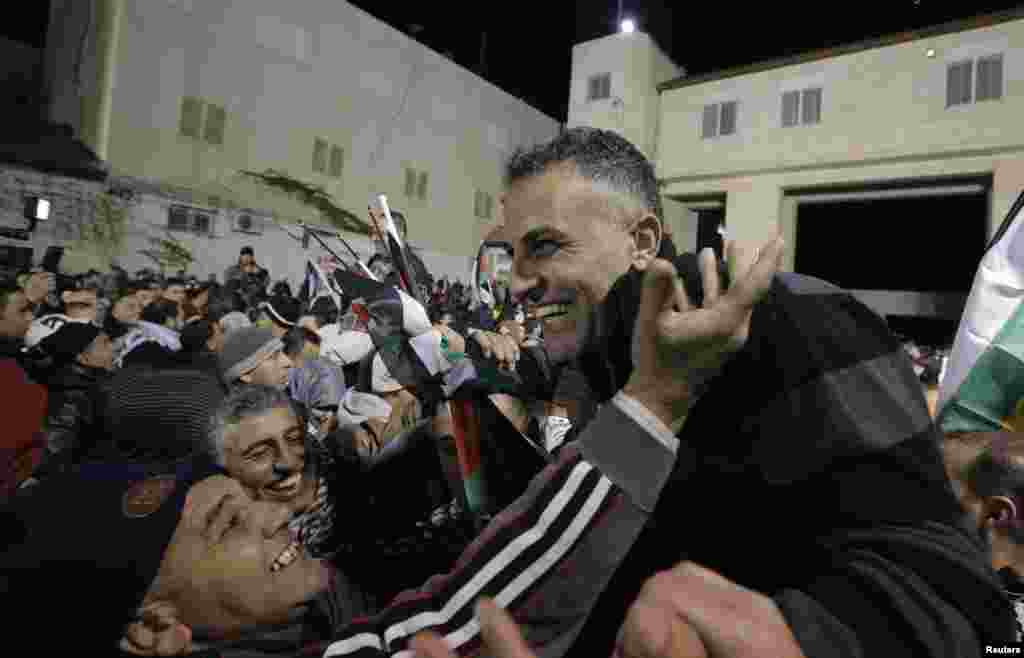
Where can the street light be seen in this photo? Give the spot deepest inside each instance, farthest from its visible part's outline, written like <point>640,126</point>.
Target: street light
<point>628,26</point>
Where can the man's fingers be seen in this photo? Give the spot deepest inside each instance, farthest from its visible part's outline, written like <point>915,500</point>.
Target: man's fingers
<point>431,645</point>
<point>751,288</point>
<point>658,292</point>
<point>500,632</point>
<point>709,275</point>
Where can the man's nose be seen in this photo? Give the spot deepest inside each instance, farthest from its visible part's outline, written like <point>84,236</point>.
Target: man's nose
<point>523,281</point>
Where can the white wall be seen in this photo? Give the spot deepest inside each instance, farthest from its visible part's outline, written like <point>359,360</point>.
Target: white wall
<point>325,70</point>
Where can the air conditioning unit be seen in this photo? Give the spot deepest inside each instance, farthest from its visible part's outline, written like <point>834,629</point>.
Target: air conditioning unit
<point>245,222</point>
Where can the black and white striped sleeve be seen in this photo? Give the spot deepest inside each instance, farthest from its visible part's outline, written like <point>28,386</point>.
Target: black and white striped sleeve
<point>547,557</point>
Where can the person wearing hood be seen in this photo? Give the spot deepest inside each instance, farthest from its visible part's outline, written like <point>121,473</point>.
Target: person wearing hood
<point>82,360</point>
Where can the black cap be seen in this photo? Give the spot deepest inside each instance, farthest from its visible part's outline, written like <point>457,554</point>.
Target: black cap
<point>96,538</point>
<point>65,344</point>
<point>246,251</point>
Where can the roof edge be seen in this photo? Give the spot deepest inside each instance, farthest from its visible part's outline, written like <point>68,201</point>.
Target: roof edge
<point>950,27</point>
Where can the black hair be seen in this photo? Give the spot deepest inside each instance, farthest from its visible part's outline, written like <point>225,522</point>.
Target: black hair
<point>174,281</point>
<point>293,341</point>
<point>281,289</point>
<point>195,335</point>
<point>325,311</point>
<point>998,470</point>
<point>160,311</point>
<point>600,156</point>
<point>211,287</point>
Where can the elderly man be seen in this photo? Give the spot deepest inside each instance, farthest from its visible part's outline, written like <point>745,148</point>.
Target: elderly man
<point>254,355</point>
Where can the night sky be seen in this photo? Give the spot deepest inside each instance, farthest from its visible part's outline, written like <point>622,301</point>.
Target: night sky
<point>529,42</point>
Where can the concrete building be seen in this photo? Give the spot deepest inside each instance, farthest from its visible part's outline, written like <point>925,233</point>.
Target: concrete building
<point>182,95</point>
<point>911,117</point>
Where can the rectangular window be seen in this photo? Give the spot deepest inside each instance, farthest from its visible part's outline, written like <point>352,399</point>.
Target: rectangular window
<point>191,117</point>
<point>478,205</point>
<point>790,109</point>
<point>410,182</point>
<point>990,78</point>
<point>216,117</point>
<point>811,106</point>
<point>319,156</point>
<point>202,223</point>
<point>709,123</point>
<point>179,219</point>
<point>489,207</point>
<point>727,122</point>
<point>337,161</point>
<point>958,83</point>
<point>421,187</point>
<point>599,87</point>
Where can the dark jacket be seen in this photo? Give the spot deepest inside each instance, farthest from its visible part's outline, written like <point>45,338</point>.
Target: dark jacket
<point>71,416</point>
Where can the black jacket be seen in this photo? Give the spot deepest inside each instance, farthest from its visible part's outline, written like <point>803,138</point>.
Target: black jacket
<point>71,416</point>
<point>810,471</point>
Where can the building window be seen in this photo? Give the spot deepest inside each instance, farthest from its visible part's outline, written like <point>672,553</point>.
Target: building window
<point>990,78</point>
<point>790,109</point>
<point>179,219</point>
<point>599,87</point>
<point>216,117</point>
<point>811,101</point>
<point>718,120</point>
<point>191,117</point>
<point>958,83</point>
<point>190,220</point>
<point>421,187</point>
<point>483,206</point>
<point>410,182</point>
<point>337,161</point>
<point>319,156</point>
<point>801,107</point>
<point>727,120</point>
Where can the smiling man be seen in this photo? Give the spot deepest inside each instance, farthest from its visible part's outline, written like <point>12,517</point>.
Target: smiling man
<point>254,355</point>
<point>164,557</point>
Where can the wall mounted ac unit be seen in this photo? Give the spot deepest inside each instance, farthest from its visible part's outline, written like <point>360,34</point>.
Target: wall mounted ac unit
<point>245,222</point>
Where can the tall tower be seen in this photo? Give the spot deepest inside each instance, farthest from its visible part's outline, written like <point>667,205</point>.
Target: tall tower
<point>614,86</point>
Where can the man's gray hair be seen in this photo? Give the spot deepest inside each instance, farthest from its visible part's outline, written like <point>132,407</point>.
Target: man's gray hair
<point>243,401</point>
<point>600,156</point>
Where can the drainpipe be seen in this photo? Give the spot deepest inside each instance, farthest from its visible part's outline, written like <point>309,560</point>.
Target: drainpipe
<point>109,14</point>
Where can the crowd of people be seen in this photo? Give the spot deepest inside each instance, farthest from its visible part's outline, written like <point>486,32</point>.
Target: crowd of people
<point>620,450</point>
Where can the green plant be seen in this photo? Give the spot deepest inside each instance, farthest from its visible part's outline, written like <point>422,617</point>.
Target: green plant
<point>169,253</point>
<point>313,196</point>
<point>106,232</point>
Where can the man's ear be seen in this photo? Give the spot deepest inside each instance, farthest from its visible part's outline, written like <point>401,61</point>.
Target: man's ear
<point>158,631</point>
<point>647,235</point>
<point>1001,512</point>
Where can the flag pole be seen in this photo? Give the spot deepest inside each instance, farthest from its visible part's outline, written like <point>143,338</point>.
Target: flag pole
<point>323,244</point>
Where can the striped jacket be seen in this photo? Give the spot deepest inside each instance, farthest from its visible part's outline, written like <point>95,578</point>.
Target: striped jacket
<point>548,556</point>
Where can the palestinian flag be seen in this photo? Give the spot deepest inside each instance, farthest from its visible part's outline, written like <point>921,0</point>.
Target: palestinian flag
<point>391,318</point>
<point>316,284</point>
<point>982,388</point>
<point>399,256</point>
<point>496,460</point>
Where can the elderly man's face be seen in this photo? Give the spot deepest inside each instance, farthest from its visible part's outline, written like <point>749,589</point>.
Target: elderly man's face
<point>146,297</point>
<point>226,566</point>
<point>266,453</point>
<point>570,247</point>
<point>272,371</point>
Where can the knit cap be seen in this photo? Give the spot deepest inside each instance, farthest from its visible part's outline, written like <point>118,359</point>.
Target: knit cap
<point>244,349</point>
